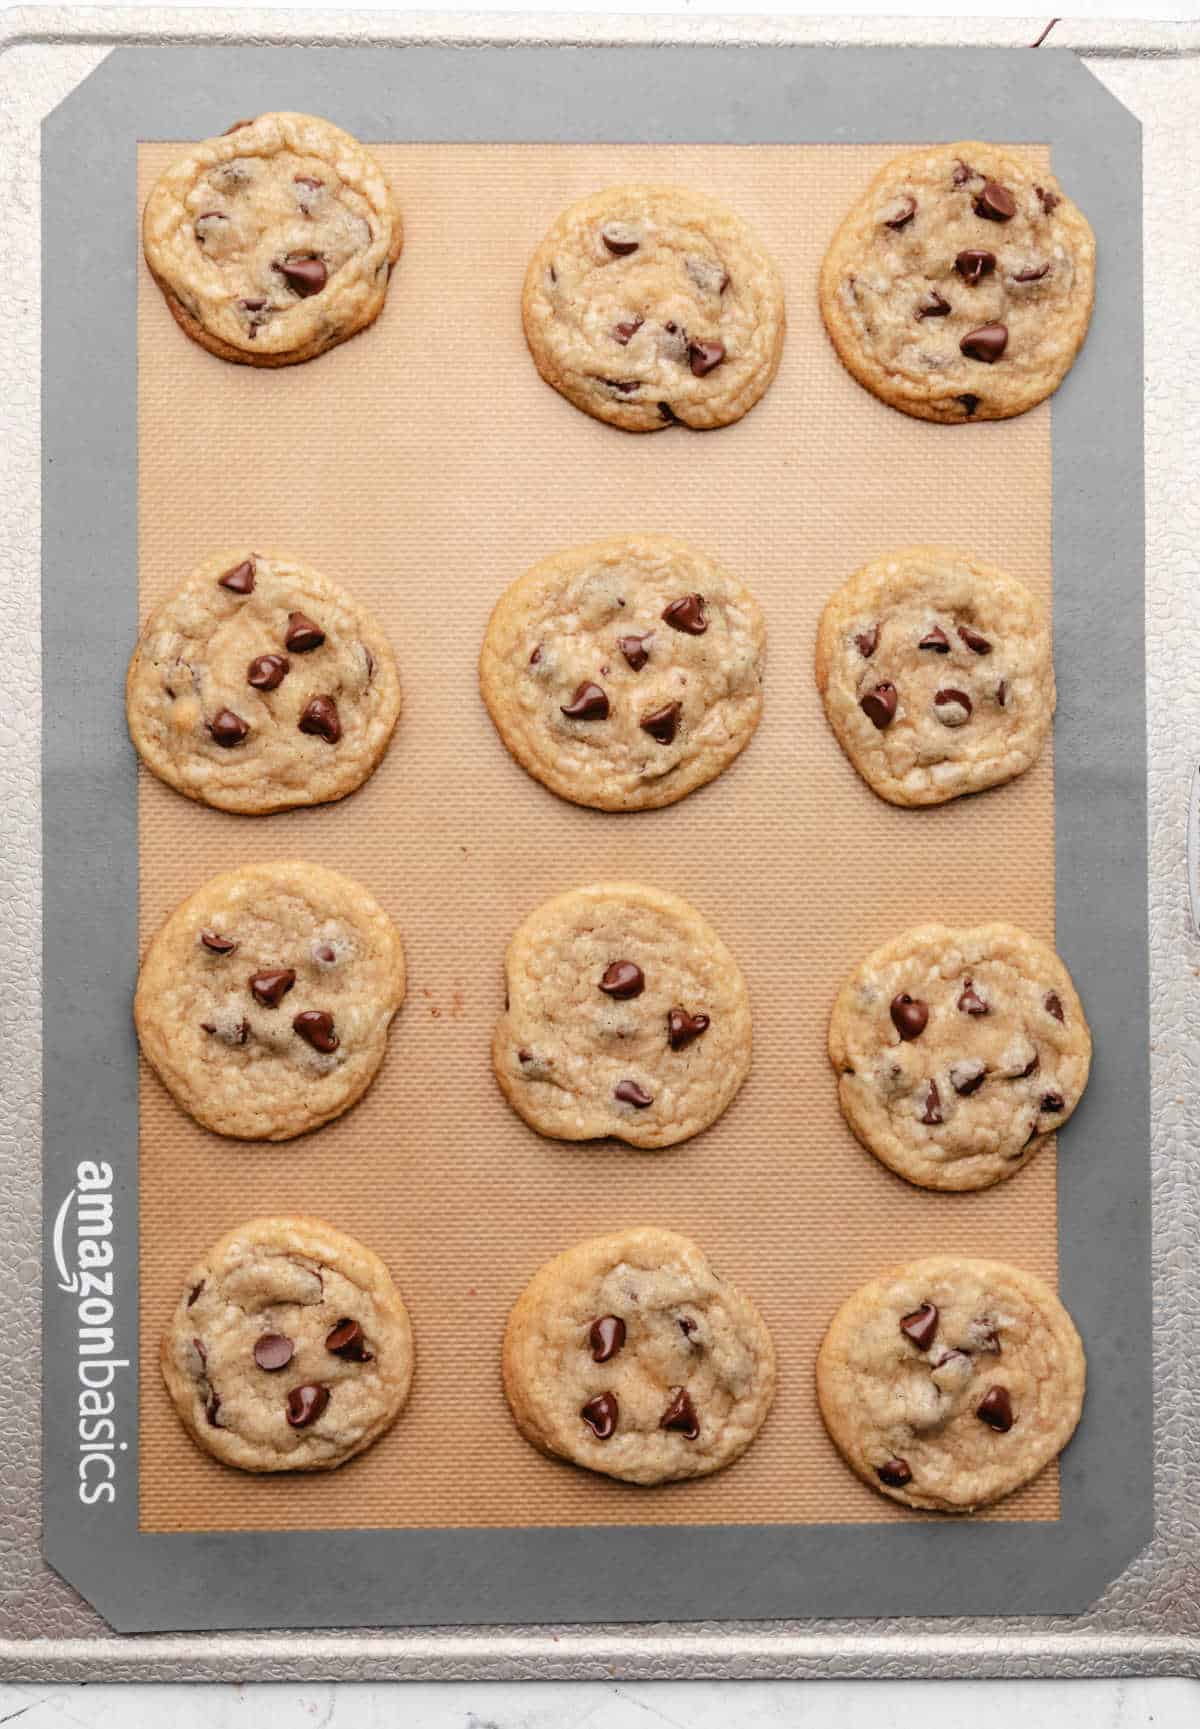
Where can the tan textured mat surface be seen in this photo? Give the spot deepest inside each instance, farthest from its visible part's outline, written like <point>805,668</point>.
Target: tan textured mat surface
<point>426,465</point>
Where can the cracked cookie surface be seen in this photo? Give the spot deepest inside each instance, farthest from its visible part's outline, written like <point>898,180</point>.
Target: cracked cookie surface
<point>275,241</point>
<point>264,1002</point>
<point>626,673</point>
<point>960,285</point>
<point>628,1355</point>
<point>260,685</point>
<point>949,1382</point>
<point>651,305</point>
<point>626,1016</point>
<point>958,1051</point>
<point>936,674</point>
<point>290,1348</point>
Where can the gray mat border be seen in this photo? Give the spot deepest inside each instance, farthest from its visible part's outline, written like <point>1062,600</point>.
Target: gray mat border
<point>800,95</point>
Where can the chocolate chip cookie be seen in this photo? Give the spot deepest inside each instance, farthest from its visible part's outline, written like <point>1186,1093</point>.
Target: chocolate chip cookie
<point>948,1383</point>
<point>260,685</point>
<point>629,1355</point>
<point>958,1051</point>
<point>290,1348</point>
<point>936,674</point>
<point>650,305</point>
<point>626,1015</point>
<point>264,1001</point>
<point>627,673</point>
<point>960,285</point>
<point>275,241</point>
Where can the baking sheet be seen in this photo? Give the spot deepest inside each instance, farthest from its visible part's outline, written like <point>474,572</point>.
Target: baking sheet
<point>724,922</point>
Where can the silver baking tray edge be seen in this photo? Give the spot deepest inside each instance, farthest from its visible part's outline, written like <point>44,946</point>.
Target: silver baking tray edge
<point>1148,1620</point>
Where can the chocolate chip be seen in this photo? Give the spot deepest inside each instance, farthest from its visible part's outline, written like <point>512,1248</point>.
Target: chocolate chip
<point>304,274</point>
<point>687,1327</point>
<point>1031,1067</point>
<point>683,1028</point>
<point>868,641</point>
<point>1052,1101</point>
<point>627,328</point>
<point>268,671</point>
<point>686,614</point>
<point>1002,692</point>
<point>904,210</point>
<point>680,1416</point>
<point>212,218</point>
<point>703,357</point>
<point>600,1414</point>
<point>995,203</point>
<point>229,1035</point>
<point>273,1351</point>
<point>1033,273</point>
<point>588,703</point>
<point>536,657</point>
<point>194,1293</point>
<point>315,1027</point>
<point>302,634</point>
<point>623,386</point>
<point>227,728</point>
<point>937,640</point>
<point>307,181</point>
<point>995,1409</point>
<point>921,1325</point>
<point>894,1472</point>
<point>621,238</point>
<point>305,1404</point>
<point>910,1015</point>
<point>667,412</point>
<point>269,988</point>
<point>973,265</point>
<point>239,580</point>
<point>623,979</point>
<point>952,707</point>
<point>663,723</point>
<point>1049,200</point>
<point>347,1340</point>
<point>1052,1003</point>
<point>524,1057</point>
<point>976,643</point>
<point>969,1000</point>
<point>970,403</point>
<point>962,174</point>
<point>606,1335</point>
<point>629,1093</point>
<point>320,717</point>
<point>938,306</point>
<point>967,1078</point>
<point>635,649</point>
<point>879,705</point>
<point>932,1114</point>
<point>216,943</point>
<point>325,954</point>
<point>237,126</point>
<point>212,1409</point>
<point>987,343</point>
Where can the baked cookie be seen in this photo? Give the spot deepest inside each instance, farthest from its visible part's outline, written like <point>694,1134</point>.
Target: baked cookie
<point>949,1382</point>
<point>960,285</point>
<point>646,305</point>
<point>936,674</point>
<point>629,1355</point>
<point>260,685</point>
<point>264,1001</point>
<point>290,1348</point>
<point>957,1051</point>
<point>627,673</point>
<point>273,242</point>
<point>625,1015</point>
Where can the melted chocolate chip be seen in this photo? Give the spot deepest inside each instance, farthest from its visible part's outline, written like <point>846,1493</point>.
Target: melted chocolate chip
<point>995,203</point>
<point>234,1036</point>
<point>921,1325</point>
<point>1033,273</point>
<point>987,343</point>
<point>962,174</point>
<point>198,1347</point>
<point>879,705</point>
<point>194,1293</point>
<point>910,1016</point>
<point>636,649</point>
<point>273,1351</point>
<point>239,580</point>
<point>620,238</point>
<point>995,1409</point>
<point>212,1409</point>
<point>307,181</point>
<point>1049,200</point>
<point>937,640</point>
<point>606,1335</point>
<point>686,614</point>
<point>630,1093</point>
<point>600,1414</point>
<point>868,641</point>
<point>304,274</point>
<point>588,703</point>
<point>347,1340</point>
<point>1052,1003</point>
<point>680,1416</point>
<point>623,386</point>
<point>932,1114</point>
<point>973,265</point>
<point>703,357</point>
<point>535,658</point>
<point>1031,1067</point>
<point>627,328</point>
<point>663,723</point>
<point>969,1000</point>
<point>683,1028</point>
<point>320,718</point>
<point>305,1404</point>
<point>1052,1101</point>
<point>951,700</point>
<point>970,403</point>
<point>269,988</point>
<point>667,412</point>
<point>237,126</point>
<point>268,671</point>
<point>623,979</point>
<point>938,307</point>
<point>227,728</point>
<point>216,943</point>
<point>1002,692</point>
<point>302,634</point>
<point>315,1027</point>
<point>967,1078</point>
<point>907,210</point>
<point>976,643</point>
<point>896,1473</point>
